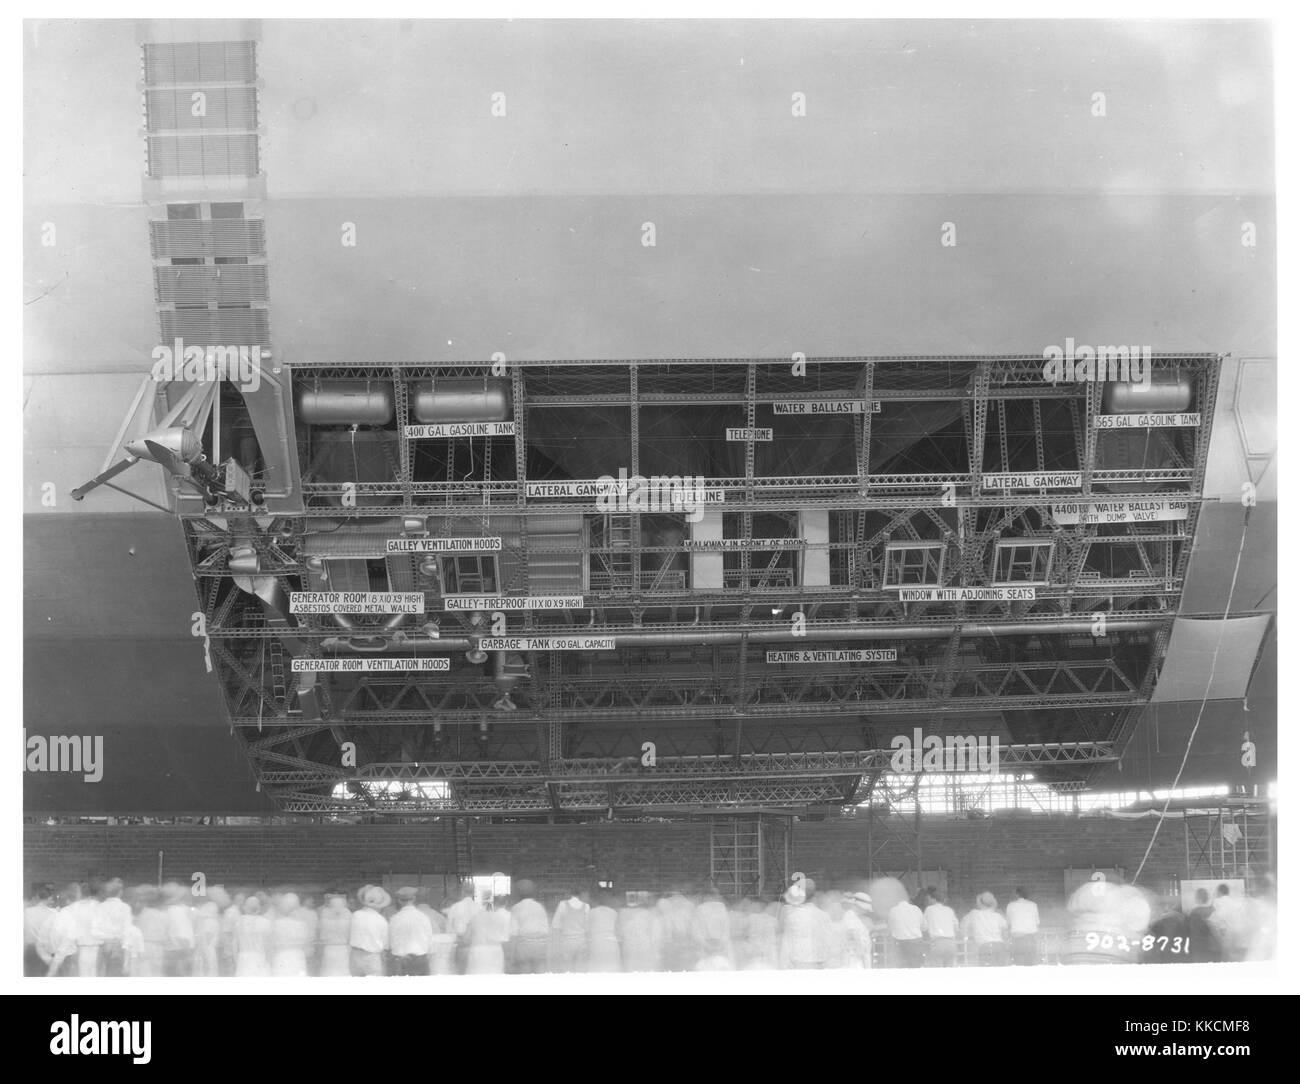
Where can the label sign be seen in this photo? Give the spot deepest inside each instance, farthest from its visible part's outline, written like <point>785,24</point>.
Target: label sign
<point>1144,421</point>
<point>681,498</point>
<point>749,434</point>
<point>882,654</point>
<point>743,543</point>
<point>514,602</point>
<point>1124,511</point>
<point>547,643</point>
<point>967,594</point>
<point>571,489</point>
<point>1035,480</point>
<point>356,602</point>
<point>461,429</point>
<point>827,406</point>
<point>368,665</point>
<point>443,545</point>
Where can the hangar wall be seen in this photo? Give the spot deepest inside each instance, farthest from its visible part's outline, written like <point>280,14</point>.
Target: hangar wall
<point>994,854</point>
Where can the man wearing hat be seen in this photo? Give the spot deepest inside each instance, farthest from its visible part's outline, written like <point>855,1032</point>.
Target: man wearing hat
<point>368,938</point>
<point>805,929</point>
<point>410,935</point>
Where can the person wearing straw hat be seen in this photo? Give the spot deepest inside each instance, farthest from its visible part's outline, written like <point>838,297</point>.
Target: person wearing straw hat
<point>805,929</point>
<point>410,935</point>
<point>368,936</point>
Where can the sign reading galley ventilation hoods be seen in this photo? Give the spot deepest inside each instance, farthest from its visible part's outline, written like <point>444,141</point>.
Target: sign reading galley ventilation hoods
<point>1121,511</point>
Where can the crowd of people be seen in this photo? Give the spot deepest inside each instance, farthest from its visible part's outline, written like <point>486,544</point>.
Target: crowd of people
<point>103,929</point>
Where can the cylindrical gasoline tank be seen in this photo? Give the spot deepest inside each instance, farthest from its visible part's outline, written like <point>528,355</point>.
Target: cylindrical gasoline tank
<point>346,402</point>
<point>461,399</point>
<point>1166,393</point>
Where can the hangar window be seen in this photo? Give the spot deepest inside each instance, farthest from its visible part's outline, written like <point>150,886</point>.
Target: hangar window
<point>1022,560</point>
<point>913,564</point>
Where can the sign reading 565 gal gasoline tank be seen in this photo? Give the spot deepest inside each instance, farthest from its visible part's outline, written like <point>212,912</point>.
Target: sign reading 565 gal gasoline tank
<point>1145,421</point>
<point>356,602</point>
<point>460,429</point>
<point>443,545</point>
<point>1122,511</point>
<point>438,664</point>
<point>1034,480</point>
<point>809,655</point>
<point>513,602</point>
<point>967,594</point>
<point>547,643</point>
<point>827,406</point>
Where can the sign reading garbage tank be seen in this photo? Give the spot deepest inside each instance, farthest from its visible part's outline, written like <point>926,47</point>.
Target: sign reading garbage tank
<point>460,429</point>
<point>1145,421</point>
<point>547,643</point>
<point>514,602</point>
<point>749,433</point>
<point>827,406</point>
<point>811,655</point>
<point>1042,479</point>
<point>356,602</point>
<point>967,594</point>
<point>441,663</point>
<point>444,545</point>
<point>1122,511</point>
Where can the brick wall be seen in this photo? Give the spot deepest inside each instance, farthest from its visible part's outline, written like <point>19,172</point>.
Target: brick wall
<point>995,854</point>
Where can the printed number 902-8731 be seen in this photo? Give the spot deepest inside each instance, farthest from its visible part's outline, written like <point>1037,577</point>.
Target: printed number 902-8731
<point>1107,942</point>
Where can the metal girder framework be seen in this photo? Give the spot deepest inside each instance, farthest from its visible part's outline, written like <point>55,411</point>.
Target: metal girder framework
<point>1073,624</point>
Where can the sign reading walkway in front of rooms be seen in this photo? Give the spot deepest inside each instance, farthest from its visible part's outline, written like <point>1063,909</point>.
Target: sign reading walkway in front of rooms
<point>743,543</point>
<point>547,643</point>
<point>1123,511</point>
<point>438,664</point>
<point>967,594</point>
<point>878,654</point>
<point>1145,421</point>
<point>513,602</point>
<point>443,545</point>
<point>827,406</point>
<point>749,434</point>
<point>1035,480</point>
<point>356,602</point>
<point>460,429</point>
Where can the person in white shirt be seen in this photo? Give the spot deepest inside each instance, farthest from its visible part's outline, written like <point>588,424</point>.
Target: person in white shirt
<point>986,928</point>
<point>368,937</point>
<point>72,935</point>
<point>252,938</point>
<point>332,932</point>
<point>460,915</point>
<point>1022,917</point>
<point>907,928</point>
<point>858,922</point>
<point>639,936</point>
<point>530,932</point>
<point>941,921</point>
<point>410,935</point>
<point>569,926</point>
<point>805,929</point>
<point>179,956</point>
<point>113,921</point>
<point>35,919</point>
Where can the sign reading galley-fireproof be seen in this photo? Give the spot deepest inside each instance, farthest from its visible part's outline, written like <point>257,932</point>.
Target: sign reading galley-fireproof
<point>513,602</point>
<point>879,654</point>
<point>366,665</point>
<point>444,545</point>
<point>356,602</point>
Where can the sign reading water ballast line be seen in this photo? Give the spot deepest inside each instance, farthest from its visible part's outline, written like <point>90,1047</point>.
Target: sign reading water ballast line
<point>827,406</point>
<point>746,433</point>
<point>369,665</point>
<point>1122,511</point>
<point>356,602</point>
<point>1145,421</point>
<point>879,654</point>
<point>547,643</point>
<point>1034,480</point>
<point>460,429</point>
<point>967,594</point>
<point>514,602</point>
<point>443,545</point>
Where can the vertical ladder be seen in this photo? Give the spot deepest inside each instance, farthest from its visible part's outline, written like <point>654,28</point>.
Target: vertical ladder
<point>462,854</point>
<point>278,689</point>
<point>618,539</point>
<point>736,855</point>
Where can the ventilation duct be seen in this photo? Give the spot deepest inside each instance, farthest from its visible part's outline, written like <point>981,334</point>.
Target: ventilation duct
<point>461,399</point>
